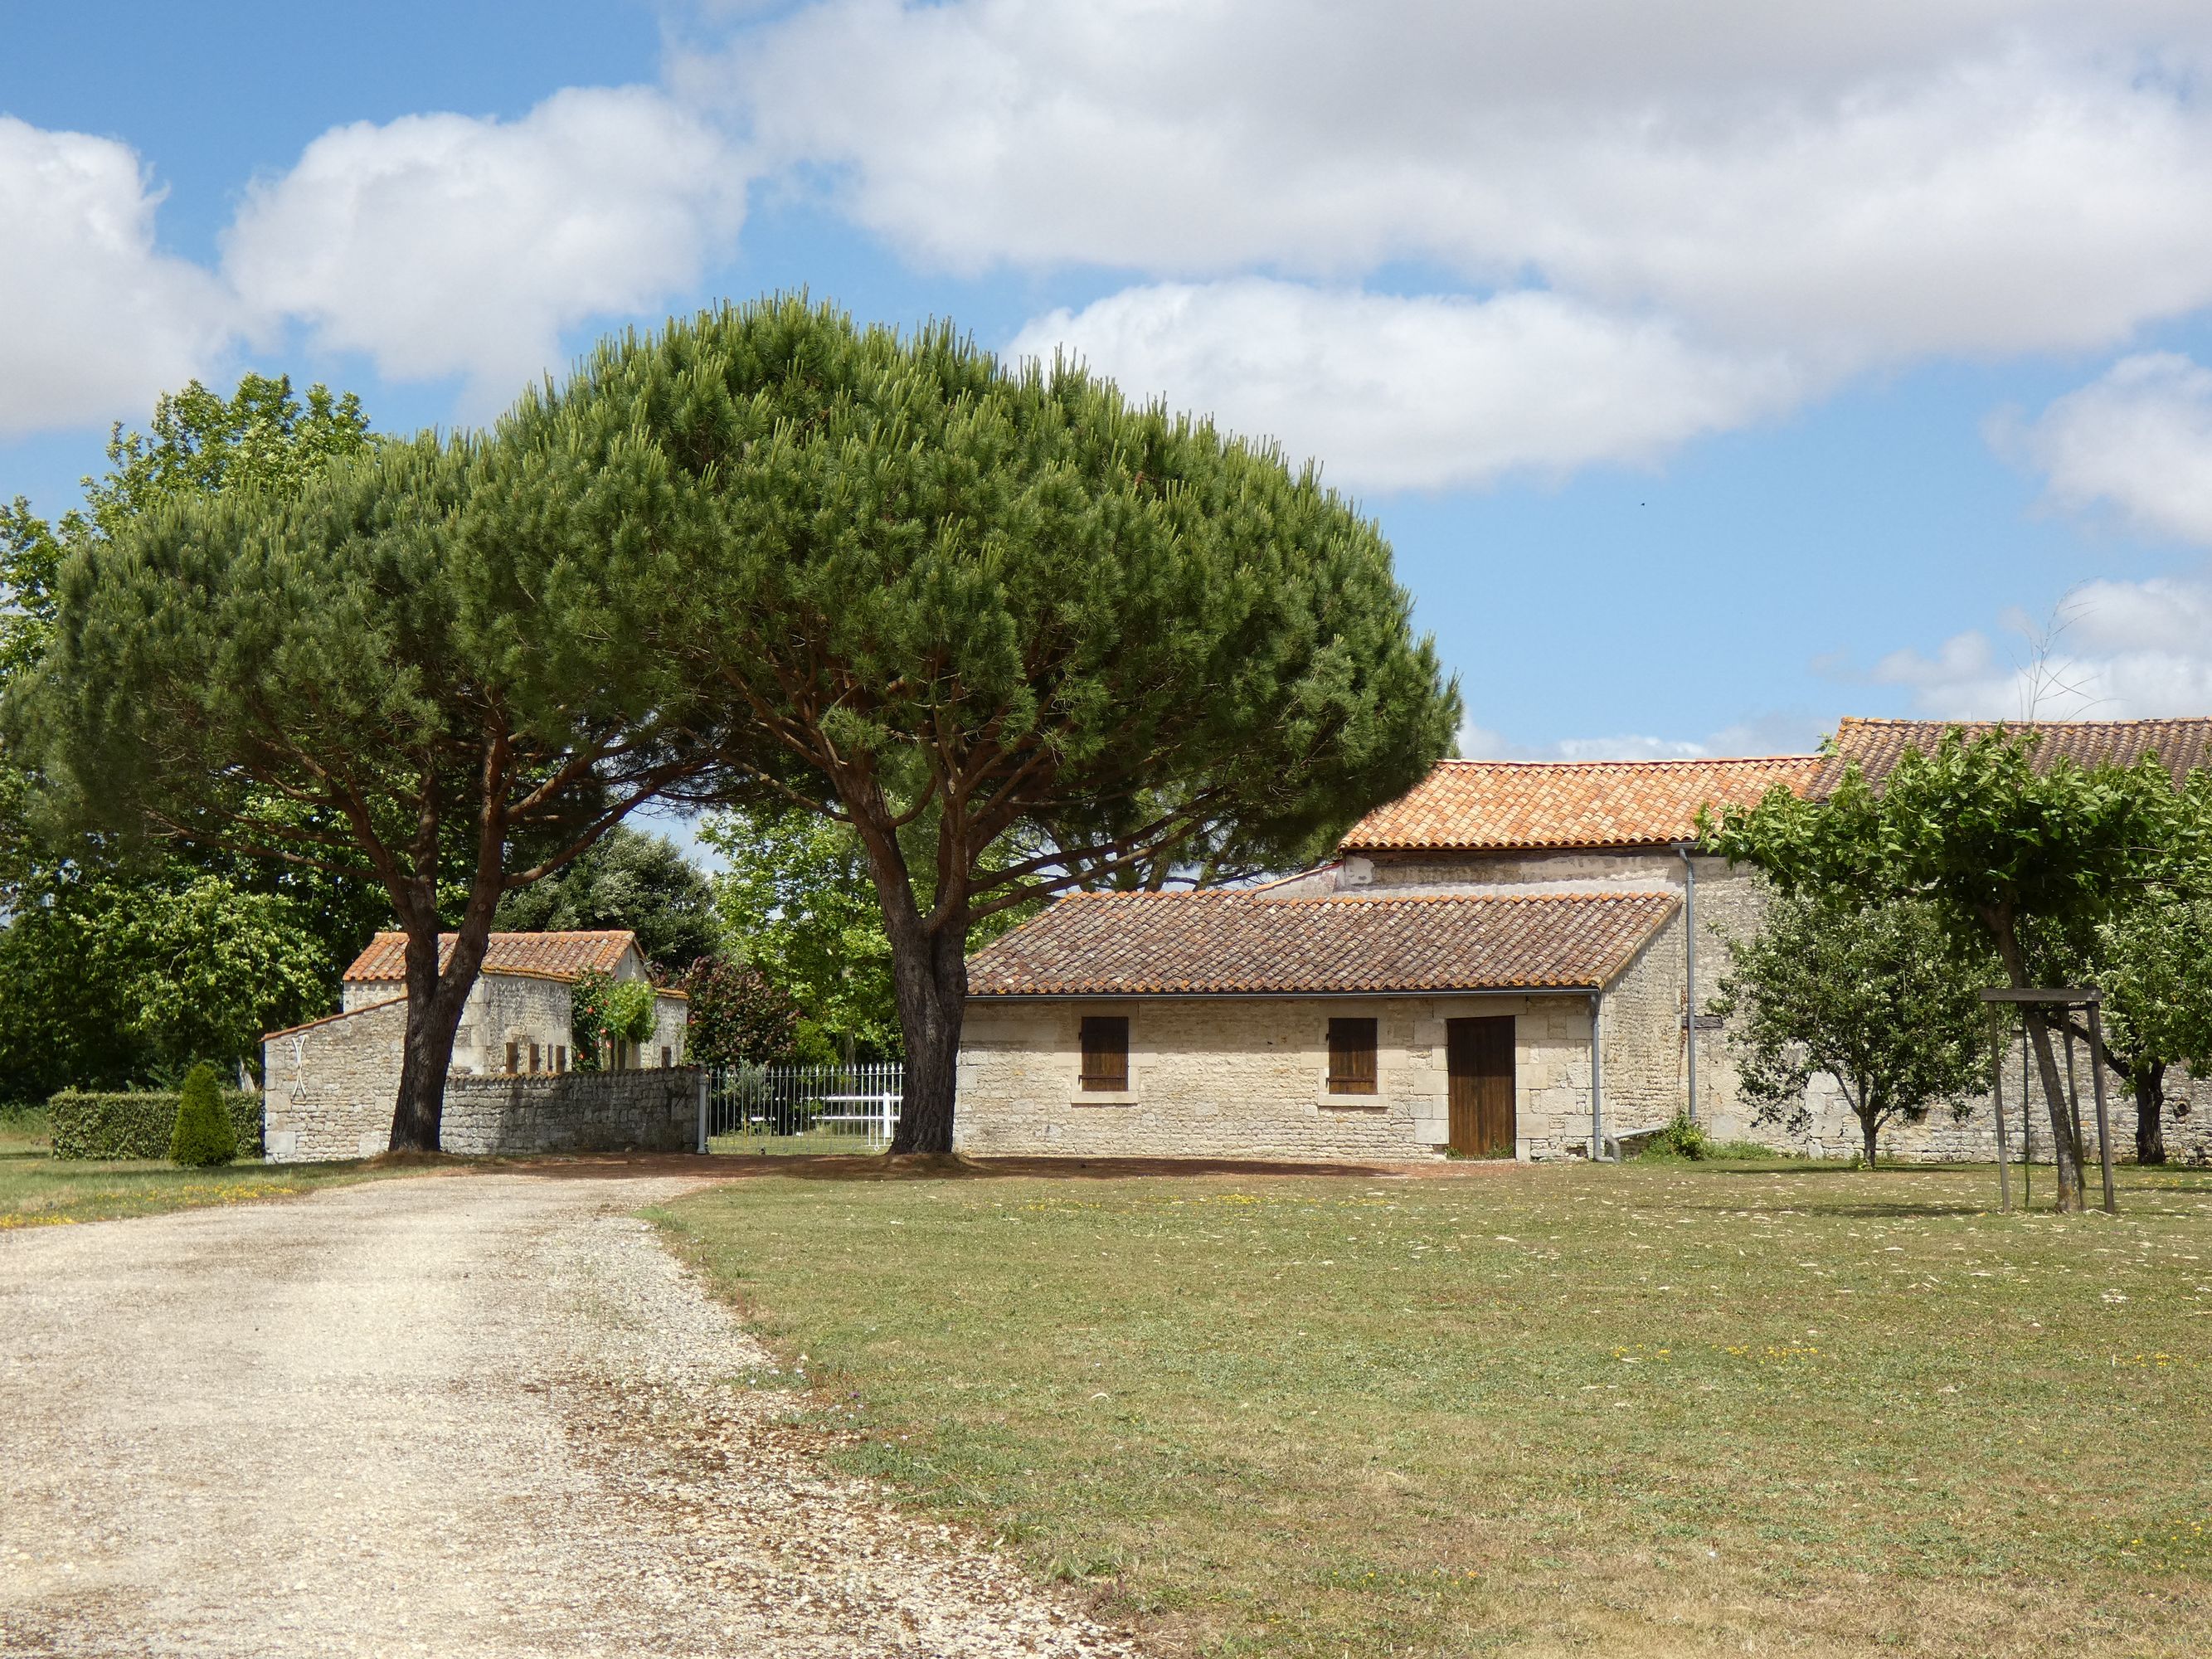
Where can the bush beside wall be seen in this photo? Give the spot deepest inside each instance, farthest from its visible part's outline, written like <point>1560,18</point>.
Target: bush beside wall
<point>138,1124</point>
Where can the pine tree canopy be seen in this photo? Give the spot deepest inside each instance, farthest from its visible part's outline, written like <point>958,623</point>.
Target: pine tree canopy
<point>896,579</point>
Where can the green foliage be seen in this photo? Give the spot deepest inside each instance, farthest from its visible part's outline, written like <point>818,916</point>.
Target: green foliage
<point>139,1123</point>
<point>736,1017</point>
<point>203,1135</point>
<point>1972,828</point>
<point>120,963</point>
<point>629,879</point>
<point>1880,996</point>
<point>796,904</point>
<point>330,679</point>
<point>587,1016</point>
<point>261,438</point>
<point>1680,1140</point>
<point>604,1010</point>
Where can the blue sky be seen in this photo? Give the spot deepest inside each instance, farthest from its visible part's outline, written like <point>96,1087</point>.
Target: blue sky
<point>1712,375</point>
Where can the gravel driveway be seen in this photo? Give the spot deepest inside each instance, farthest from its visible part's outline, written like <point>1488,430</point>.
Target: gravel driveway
<point>454,1415</point>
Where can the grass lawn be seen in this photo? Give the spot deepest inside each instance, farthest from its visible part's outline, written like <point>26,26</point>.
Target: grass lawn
<point>40,1190</point>
<point>1649,1410</point>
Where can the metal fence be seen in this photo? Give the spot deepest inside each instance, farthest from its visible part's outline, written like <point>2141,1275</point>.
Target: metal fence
<point>799,1100</point>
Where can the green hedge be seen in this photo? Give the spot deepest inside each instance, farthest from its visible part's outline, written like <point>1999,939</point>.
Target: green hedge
<point>139,1124</point>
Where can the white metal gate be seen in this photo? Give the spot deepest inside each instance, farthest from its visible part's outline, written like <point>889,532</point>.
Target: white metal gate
<point>860,1100</point>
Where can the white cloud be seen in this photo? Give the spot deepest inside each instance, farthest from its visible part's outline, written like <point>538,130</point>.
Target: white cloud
<point>1422,391</point>
<point>2119,650</point>
<point>1858,184</point>
<point>1765,734</point>
<point>97,320</point>
<point>2136,441</point>
<point>443,244</point>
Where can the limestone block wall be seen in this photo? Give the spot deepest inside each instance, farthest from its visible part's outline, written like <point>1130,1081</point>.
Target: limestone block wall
<point>518,1008</point>
<point>1943,1137</point>
<point>329,1089</point>
<point>655,1110</point>
<point>1230,1077</point>
<point>1642,1027</point>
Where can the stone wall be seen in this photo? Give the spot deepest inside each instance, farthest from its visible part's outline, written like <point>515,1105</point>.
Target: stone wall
<point>655,1110</point>
<point>1232,1076</point>
<point>330,1088</point>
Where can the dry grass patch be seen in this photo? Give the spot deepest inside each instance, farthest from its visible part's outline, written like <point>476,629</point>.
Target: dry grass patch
<point>1653,1410</point>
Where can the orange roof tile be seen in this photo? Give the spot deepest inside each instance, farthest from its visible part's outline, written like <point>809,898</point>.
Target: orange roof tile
<point>1501,805</point>
<point>555,955</point>
<point>2181,745</point>
<point>1230,943</point>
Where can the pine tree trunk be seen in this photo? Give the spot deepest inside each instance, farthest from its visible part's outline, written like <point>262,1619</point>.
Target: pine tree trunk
<point>435,1001</point>
<point>930,976</point>
<point>2149,1081</point>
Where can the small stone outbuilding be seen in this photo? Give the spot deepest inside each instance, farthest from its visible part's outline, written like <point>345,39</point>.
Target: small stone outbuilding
<point>330,1086</point>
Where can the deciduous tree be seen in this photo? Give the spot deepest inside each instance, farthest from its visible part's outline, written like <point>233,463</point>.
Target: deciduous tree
<point>1996,843</point>
<point>1875,995</point>
<point>631,880</point>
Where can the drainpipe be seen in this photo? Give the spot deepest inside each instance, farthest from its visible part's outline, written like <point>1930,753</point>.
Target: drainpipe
<point>1597,1080</point>
<point>1690,971</point>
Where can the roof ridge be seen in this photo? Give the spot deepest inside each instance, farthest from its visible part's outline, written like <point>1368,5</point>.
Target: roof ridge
<point>1483,897</point>
<point>1654,760</point>
<point>1904,719</point>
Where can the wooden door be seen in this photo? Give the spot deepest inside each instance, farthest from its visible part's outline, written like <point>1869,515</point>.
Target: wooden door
<point>1480,1056</point>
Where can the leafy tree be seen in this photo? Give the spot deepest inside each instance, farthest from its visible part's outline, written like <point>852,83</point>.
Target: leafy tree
<point>2152,958</point>
<point>204,1135</point>
<point>1875,995</point>
<point>629,879</point>
<point>736,1017</point>
<point>121,963</point>
<point>1999,846</point>
<point>337,681</point>
<point>604,1011</point>
<point>904,582</point>
<point>796,904</point>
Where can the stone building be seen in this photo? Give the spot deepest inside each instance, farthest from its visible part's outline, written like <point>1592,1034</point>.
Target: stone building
<point>1507,960</point>
<point>330,1086</point>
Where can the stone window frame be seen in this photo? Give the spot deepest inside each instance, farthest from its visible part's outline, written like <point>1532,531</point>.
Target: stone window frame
<point>1072,1065</point>
<point>1327,1099</point>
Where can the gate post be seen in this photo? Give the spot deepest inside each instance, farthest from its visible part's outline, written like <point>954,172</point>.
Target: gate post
<point>703,1109</point>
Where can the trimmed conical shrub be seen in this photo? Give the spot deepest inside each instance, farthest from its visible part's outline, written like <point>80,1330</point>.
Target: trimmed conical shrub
<point>203,1134</point>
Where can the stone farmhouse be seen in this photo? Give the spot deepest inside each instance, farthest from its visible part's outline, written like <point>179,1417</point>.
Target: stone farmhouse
<point>329,1085</point>
<point>1507,960</point>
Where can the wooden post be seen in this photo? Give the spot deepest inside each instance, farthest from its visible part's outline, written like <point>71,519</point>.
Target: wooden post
<point>1997,1099</point>
<point>2026,1124</point>
<point>2104,1123</point>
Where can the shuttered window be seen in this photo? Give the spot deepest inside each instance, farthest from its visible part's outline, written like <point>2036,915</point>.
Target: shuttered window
<point>513,1058</point>
<point>1106,1053</point>
<point>1351,1056</point>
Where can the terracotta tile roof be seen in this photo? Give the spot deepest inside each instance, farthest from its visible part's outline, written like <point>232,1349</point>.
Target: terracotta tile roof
<point>2182,745</point>
<point>554,956</point>
<point>1499,805</point>
<point>1245,943</point>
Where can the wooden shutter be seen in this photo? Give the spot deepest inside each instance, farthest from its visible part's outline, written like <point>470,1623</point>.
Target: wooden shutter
<point>533,1059</point>
<point>513,1058</point>
<point>1106,1053</point>
<point>1351,1056</point>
